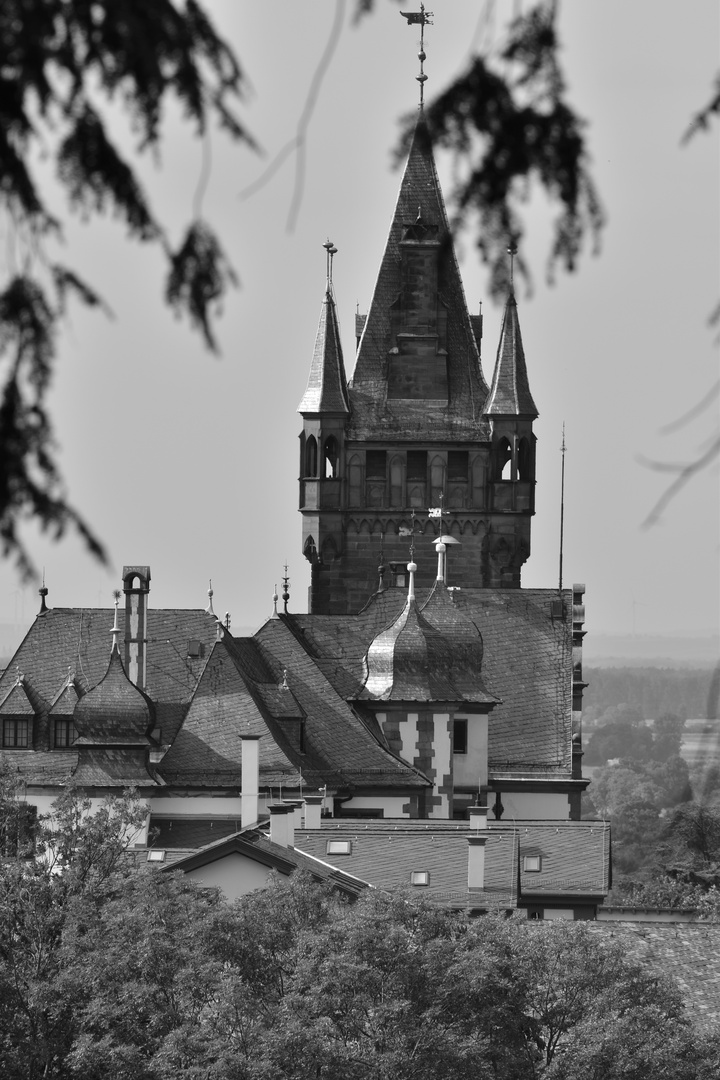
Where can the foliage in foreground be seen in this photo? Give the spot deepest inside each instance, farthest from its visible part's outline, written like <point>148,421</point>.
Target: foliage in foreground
<point>110,970</point>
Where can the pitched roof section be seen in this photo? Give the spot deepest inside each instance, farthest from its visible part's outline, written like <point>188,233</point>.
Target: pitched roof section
<point>510,394</point>
<point>327,386</point>
<point>419,224</point>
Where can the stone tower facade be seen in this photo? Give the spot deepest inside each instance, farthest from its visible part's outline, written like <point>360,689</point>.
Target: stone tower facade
<point>417,429</point>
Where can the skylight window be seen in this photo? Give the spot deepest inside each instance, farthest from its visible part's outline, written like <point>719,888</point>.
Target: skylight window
<point>338,847</point>
<point>531,864</point>
<point>156,855</point>
<point>420,877</point>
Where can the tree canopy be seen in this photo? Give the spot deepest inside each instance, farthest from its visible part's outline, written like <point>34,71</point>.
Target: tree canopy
<point>108,968</point>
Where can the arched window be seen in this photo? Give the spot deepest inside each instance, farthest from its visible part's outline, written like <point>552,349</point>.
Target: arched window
<point>331,458</point>
<point>524,460</point>
<point>503,460</point>
<point>311,457</point>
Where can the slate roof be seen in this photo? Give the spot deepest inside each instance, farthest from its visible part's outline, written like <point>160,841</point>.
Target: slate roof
<point>575,857</point>
<point>526,663</point>
<point>688,953</point>
<point>510,393</point>
<point>429,655</point>
<point>242,692</point>
<point>327,386</point>
<point>372,416</point>
<point>114,711</point>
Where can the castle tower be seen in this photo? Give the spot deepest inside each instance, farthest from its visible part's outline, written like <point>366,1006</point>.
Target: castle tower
<point>417,427</point>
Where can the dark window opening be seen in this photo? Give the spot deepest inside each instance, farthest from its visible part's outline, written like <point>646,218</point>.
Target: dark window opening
<point>311,457</point>
<point>15,734</point>
<point>503,460</point>
<point>399,574</point>
<point>195,649</point>
<point>458,466</point>
<point>375,464</point>
<point>417,465</point>
<point>460,736</point>
<point>524,461</point>
<point>65,733</point>
<point>331,458</point>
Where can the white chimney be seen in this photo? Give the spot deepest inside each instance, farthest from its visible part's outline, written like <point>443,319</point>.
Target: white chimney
<point>250,779</point>
<point>313,811</point>
<point>476,847</point>
<point>282,825</point>
<point>297,806</point>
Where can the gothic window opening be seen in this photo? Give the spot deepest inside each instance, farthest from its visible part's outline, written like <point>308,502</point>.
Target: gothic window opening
<point>311,457</point>
<point>503,460</point>
<point>331,458</point>
<point>417,465</point>
<point>524,460</point>
<point>375,464</point>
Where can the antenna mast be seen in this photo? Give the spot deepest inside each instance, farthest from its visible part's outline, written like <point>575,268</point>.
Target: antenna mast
<point>562,506</point>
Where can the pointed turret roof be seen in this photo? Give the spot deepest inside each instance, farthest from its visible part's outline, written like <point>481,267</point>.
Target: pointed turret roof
<point>115,712</point>
<point>420,222</point>
<point>327,386</point>
<point>510,394</point>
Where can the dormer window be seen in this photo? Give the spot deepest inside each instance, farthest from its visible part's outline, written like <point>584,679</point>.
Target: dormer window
<point>15,734</point>
<point>65,733</point>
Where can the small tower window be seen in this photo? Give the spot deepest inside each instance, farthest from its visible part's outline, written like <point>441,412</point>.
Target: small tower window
<point>375,465</point>
<point>331,458</point>
<point>458,465</point>
<point>503,464</point>
<point>311,457</point>
<point>524,461</point>
<point>417,465</point>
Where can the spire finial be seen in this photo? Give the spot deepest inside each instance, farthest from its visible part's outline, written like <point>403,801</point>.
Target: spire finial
<point>331,251</point>
<point>420,18</point>
<point>562,507</point>
<point>43,591</point>
<point>275,604</point>
<point>115,631</point>
<point>286,589</point>
<point>512,252</point>
<point>210,596</point>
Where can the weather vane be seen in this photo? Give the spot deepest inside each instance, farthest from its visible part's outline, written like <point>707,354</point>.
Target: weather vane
<point>420,18</point>
<point>331,251</point>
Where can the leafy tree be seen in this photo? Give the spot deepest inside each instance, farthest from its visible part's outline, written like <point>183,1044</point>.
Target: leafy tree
<point>693,833</point>
<point>66,63</point>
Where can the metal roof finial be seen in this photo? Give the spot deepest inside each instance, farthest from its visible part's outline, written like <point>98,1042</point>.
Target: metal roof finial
<point>420,18</point>
<point>43,591</point>
<point>210,596</point>
<point>115,630</point>
<point>275,604</point>
<point>512,252</point>
<point>286,589</point>
<point>331,251</point>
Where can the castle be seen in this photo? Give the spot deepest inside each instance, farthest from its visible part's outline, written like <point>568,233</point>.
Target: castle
<point>421,723</point>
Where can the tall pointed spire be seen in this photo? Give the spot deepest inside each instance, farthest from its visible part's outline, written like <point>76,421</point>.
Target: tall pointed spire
<point>510,393</point>
<point>418,349</point>
<point>327,385</point>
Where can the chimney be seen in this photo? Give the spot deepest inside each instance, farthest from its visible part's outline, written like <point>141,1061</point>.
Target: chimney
<point>297,807</point>
<point>313,811</point>
<point>136,586</point>
<point>476,847</point>
<point>282,825</point>
<point>250,779</point>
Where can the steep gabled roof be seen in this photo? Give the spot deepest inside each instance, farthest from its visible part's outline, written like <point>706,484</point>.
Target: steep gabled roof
<point>327,386</point>
<point>510,393</point>
<point>419,197</point>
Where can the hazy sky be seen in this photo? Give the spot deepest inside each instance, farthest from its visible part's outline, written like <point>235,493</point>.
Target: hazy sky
<point>190,463</point>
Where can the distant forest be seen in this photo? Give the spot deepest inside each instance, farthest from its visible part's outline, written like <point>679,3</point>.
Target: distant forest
<point>652,691</point>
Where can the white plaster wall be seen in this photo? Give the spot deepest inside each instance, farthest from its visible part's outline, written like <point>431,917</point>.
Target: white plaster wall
<point>234,874</point>
<point>442,746</point>
<point>471,769</point>
<point>535,805</point>
<point>408,734</point>
<point>45,807</point>
<point>196,805</point>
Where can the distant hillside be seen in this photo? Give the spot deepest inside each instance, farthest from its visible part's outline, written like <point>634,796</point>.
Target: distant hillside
<point>627,650</point>
<point>651,690</point>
